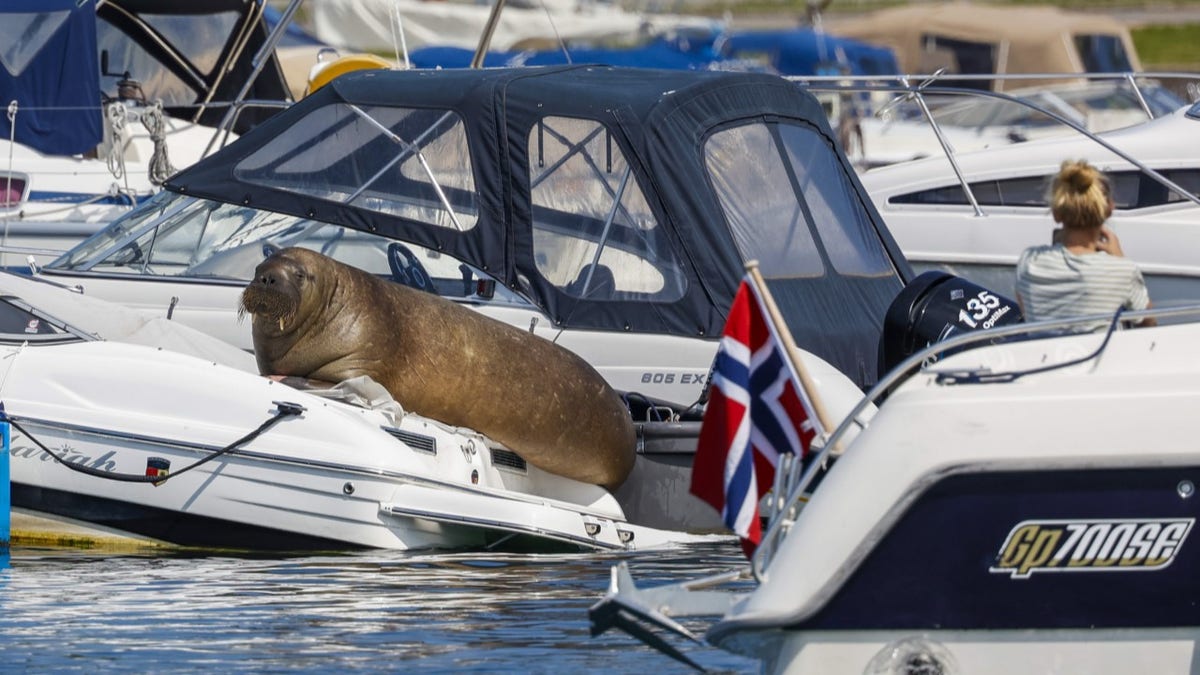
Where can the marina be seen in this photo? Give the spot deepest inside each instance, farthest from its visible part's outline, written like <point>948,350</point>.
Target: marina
<point>612,365</point>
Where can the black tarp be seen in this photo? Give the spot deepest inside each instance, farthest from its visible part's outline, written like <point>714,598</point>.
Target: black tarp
<point>660,121</point>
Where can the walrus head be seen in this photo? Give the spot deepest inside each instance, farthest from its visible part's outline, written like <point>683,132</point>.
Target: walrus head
<point>275,293</point>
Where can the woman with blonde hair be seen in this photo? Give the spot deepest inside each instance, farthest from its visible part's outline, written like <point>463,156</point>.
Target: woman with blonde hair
<point>1084,272</point>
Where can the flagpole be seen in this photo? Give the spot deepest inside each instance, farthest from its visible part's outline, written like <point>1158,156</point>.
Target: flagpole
<point>789,344</point>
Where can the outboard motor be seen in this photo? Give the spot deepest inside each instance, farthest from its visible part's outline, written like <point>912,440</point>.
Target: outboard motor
<point>935,306</point>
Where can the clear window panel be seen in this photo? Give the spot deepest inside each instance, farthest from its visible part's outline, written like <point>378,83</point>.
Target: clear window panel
<point>127,56</point>
<point>842,221</point>
<point>410,163</point>
<point>199,39</point>
<point>25,34</point>
<point>594,235</point>
<point>763,210</point>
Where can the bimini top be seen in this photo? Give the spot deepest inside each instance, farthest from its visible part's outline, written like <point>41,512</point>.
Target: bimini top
<point>613,198</point>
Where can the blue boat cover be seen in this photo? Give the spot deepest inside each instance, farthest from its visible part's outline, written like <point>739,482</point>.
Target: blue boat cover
<point>660,52</point>
<point>804,51</point>
<point>796,51</point>
<point>51,69</point>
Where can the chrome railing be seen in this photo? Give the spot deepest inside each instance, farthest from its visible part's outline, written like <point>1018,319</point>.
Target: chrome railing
<point>918,88</point>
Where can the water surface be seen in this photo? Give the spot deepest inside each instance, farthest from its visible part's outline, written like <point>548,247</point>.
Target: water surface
<point>67,611</point>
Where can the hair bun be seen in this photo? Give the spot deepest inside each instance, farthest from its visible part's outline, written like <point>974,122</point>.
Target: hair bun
<point>1079,175</point>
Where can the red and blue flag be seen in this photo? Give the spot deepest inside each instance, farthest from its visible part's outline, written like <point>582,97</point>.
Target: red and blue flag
<point>757,411</point>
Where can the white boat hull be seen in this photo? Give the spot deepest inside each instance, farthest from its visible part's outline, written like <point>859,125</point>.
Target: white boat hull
<point>1026,506</point>
<point>335,476</point>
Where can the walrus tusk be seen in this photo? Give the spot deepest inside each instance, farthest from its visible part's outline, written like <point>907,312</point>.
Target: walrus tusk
<point>281,323</point>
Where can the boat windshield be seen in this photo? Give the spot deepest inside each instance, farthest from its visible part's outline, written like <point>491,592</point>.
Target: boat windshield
<point>179,236</point>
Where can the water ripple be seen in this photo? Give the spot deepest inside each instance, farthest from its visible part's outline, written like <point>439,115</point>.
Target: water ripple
<point>369,612</point>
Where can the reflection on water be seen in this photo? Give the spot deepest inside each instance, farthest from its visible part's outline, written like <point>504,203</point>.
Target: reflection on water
<point>368,612</point>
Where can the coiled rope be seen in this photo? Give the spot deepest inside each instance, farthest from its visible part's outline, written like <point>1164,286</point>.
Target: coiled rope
<point>160,165</point>
<point>115,115</point>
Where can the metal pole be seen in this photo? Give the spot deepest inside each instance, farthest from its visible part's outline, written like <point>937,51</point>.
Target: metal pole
<point>5,488</point>
<point>485,40</point>
<point>261,59</point>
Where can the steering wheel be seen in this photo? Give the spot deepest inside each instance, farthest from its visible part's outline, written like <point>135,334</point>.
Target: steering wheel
<point>406,269</point>
<point>129,254</point>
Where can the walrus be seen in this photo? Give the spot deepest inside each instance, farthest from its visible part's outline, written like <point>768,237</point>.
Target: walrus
<point>317,318</point>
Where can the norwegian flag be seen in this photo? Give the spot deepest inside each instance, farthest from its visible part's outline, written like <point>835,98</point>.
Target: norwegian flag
<point>757,410</point>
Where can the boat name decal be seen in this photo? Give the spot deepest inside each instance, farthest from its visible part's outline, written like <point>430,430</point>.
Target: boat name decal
<point>67,453</point>
<point>672,378</point>
<point>1091,546</point>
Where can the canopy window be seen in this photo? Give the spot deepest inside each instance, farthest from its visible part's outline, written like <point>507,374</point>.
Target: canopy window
<point>958,56</point>
<point>25,35</point>
<point>199,43</point>
<point>594,234</point>
<point>792,209</point>
<point>405,162</point>
<point>1103,53</point>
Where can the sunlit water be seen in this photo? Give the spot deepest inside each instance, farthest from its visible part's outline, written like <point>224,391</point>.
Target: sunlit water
<point>364,612</point>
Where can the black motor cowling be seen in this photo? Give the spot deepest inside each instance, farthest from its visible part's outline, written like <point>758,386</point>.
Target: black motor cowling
<point>935,306</point>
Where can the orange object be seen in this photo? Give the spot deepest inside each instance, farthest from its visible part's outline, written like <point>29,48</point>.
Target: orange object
<point>340,66</point>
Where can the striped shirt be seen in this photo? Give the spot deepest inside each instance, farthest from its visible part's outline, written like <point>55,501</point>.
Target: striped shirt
<point>1054,283</point>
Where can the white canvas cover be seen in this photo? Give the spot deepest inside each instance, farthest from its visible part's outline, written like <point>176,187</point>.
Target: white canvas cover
<point>373,25</point>
<point>1023,39</point>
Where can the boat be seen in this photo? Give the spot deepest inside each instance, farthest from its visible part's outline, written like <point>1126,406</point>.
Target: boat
<point>166,435</point>
<point>107,97</point>
<point>973,213</point>
<point>610,216</point>
<point>1019,499</point>
<point>967,38</point>
<point>533,212</point>
<point>793,51</point>
<point>887,131</point>
<point>685,50</point>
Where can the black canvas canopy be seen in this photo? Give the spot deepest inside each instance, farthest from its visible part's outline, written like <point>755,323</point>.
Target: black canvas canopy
<point>613,198</point>
<point>195,56</point>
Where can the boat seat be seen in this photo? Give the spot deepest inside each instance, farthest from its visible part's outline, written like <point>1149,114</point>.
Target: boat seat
<point>602,286</point>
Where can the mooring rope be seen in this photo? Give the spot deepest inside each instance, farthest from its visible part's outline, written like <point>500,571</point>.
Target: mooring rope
<point>283,410</point>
